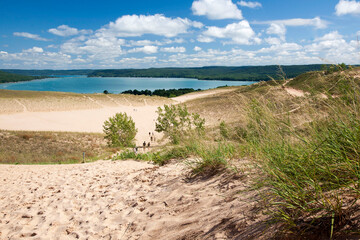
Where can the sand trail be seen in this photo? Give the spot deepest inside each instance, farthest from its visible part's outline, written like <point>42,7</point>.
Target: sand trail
<point>122,200</point>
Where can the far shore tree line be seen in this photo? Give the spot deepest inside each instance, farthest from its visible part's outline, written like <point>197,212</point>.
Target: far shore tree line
<point>169,93</point>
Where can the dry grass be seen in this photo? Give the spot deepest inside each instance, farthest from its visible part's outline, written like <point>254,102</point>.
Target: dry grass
<point>26,147</point>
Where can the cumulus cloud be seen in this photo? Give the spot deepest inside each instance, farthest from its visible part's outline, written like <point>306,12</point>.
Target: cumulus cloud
<point>173,49</point>
<point>145,49</point>
<point>65,31</point>
<point>330,41</point>
<point>34,50</point>
<point>216,9</point>
<point>273,41</point>
<point>347,7</point>
<point>334,48</point>
<point>30,35</point>
<point>197,49</point>
<point>100,48</point>
<point>36,58</point>
<point>240,33</point>
<point>277,29</point>
<point>316,22</point>
<point>249,4</point>
<point>145,42</point>
<point>329,37</point>
<point>158,24</point>
<point>205,39</point>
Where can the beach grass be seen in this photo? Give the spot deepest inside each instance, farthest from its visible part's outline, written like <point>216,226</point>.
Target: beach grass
<point>35,147</point>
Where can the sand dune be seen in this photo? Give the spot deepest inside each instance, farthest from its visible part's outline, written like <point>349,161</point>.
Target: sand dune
<point>78,113</point>
<point>89,120</point>
<point>115,200</point>
<point>123,200</point>
<point>84,113</point>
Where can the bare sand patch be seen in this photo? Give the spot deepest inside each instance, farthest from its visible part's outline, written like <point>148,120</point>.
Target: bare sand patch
<point>89,120</point>
<point>124,200</point>
<point>295,92</point>
<point>196,95</point>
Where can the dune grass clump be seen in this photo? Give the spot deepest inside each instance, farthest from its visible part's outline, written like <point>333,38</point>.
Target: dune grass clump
<point>313,170</point>
<point>159,158</point>
<point>209,159</point>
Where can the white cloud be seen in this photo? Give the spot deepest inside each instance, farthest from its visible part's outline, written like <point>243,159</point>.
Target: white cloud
<point>273,41</point>
<point>329,37</point>
<point>347,7</point>
<point>316,22</point>
<point>34,50</point>
<point>249,4</point>
<point>30,35</point>
<point>65,31</point>
<point>333,48</point>
<point>240,33</point>
<point>145,49</point>
<point>197,49</point>
<point>281,48</point>
<point>216,9</point>
<point>100,48</point>
<point>35,58</point>
<point>173,49</point>
<point>158,24</point>
<point>277,29</point>
<point>205,39</point>
<point>145,42</point>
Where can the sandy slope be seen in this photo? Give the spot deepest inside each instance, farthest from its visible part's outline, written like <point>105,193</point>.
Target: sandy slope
<point>117,200</point>
<point>196,95</point>
<point>123,200</point>
<point>88,120</point>
<point>85,113</point>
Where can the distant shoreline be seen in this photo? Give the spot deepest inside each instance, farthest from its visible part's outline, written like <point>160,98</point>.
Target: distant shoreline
<point>209,73</point>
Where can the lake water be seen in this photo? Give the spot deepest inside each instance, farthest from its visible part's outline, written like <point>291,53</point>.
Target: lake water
<point>83,84</point>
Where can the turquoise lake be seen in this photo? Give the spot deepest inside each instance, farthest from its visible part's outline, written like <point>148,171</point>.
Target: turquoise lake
<point>83,84</point>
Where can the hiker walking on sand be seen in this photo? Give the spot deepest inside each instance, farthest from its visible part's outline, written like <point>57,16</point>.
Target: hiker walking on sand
<point>148,145</point>
<point>144,145</point>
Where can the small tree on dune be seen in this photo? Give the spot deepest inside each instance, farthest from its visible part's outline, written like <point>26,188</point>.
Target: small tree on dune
<point>120,130</point>
<point>177,123</point>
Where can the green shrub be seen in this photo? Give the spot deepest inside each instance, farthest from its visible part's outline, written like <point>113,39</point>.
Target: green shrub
<point>224,130</point>
<point>177,123</point>
<point>120,130</point>
<point>210,159</point>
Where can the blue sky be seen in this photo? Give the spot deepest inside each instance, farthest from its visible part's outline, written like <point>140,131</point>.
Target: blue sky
<point>75,34</point>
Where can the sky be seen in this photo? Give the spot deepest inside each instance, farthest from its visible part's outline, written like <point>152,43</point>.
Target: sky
<point>74,34</point>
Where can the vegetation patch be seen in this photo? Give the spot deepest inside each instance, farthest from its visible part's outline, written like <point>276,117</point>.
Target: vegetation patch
<point>28,147</point>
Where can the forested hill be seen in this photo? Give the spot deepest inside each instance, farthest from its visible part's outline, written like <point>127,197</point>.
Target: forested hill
<point>49,72</point>
<point>246,73</point>
<point>6,77</point>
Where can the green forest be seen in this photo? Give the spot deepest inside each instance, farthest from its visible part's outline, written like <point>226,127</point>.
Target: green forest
<point>162,92</point>
<point>246,73</point>
<point>6,77</point>
<point>48,72</point>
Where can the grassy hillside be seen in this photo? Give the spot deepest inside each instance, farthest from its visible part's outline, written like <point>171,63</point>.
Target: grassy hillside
<point>306,148</point>
<point>11,77</point>
<point>247,73</point>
